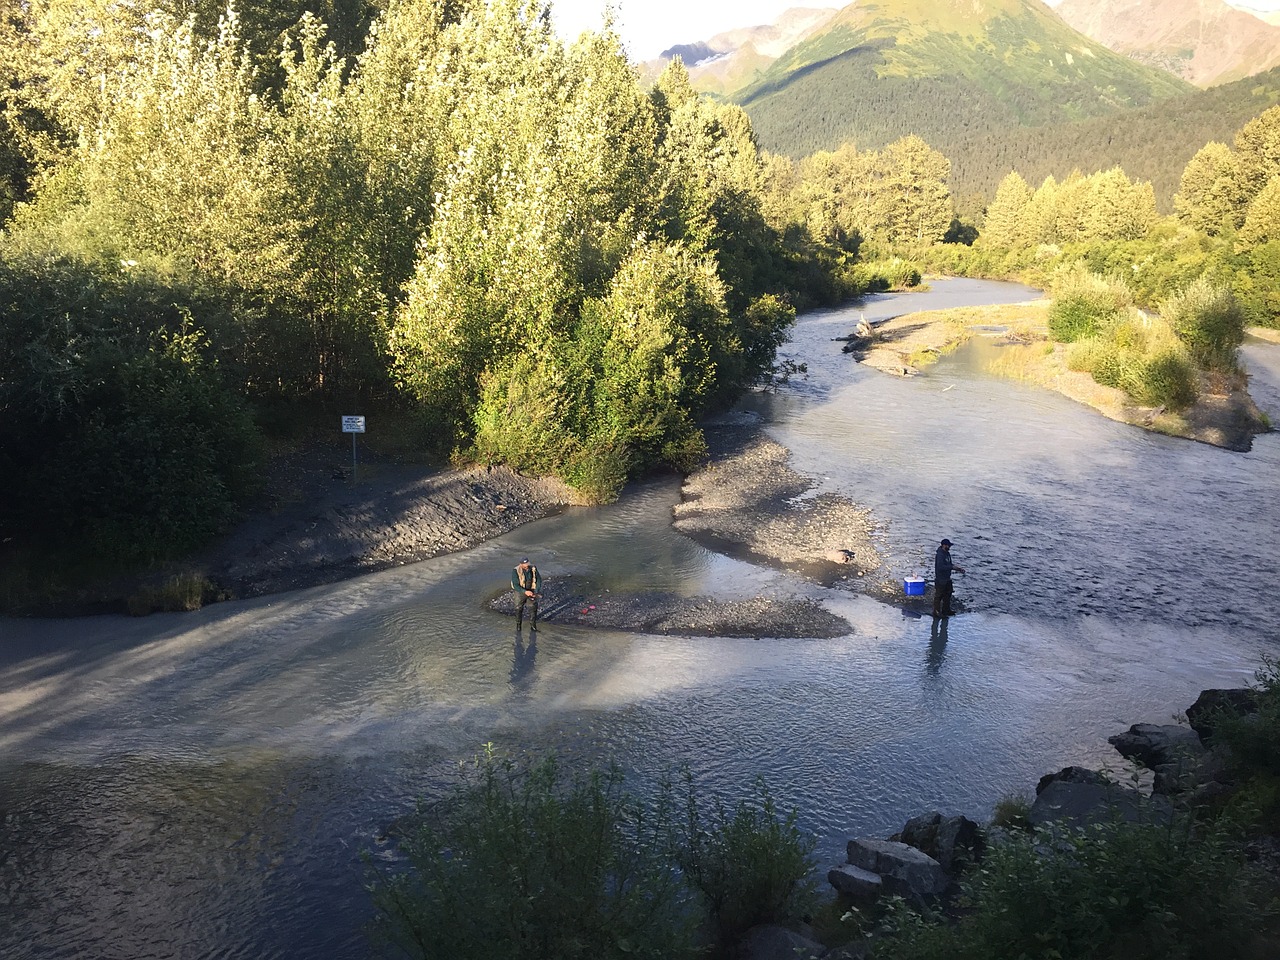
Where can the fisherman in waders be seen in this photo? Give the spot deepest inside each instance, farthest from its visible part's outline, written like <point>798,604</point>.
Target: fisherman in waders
<point>942,585</point>
<point>526,582</point>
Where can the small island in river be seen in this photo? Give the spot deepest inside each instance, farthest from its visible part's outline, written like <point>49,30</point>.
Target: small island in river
<point>1223,413</point>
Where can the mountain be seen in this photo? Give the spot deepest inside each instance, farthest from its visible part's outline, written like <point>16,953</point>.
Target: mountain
<point>731,60</point>
<point>946,70</point>
<point>1203,41</point>
<point>1151,143</point>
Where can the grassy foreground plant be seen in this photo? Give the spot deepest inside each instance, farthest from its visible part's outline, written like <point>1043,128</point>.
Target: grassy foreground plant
<point>749,865</point>
<point>1123,891</point>
<point>534,864</point>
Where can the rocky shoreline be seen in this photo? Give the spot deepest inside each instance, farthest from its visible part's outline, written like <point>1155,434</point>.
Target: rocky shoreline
<point>745,501</point>
<point>925,861</point>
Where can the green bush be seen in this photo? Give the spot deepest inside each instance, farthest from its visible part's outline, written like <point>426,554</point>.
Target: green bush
<point>1254,737</point>
<point>1083,303</point>
<point>894,273</point>
<point>119,435</point>
<point>749,866</point>
<point>1123,891</point>
<point>1253,747</point>
<point>528,863</point>
<point>1208,319</point>
<point>1141,356</point>
<point>1012,811</point>
<point>531,865</point>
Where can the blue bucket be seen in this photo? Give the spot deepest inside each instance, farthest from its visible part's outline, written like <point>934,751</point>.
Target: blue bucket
<point>913,586</point>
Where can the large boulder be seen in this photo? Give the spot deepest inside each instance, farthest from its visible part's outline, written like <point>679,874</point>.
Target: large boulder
<point>1211,704</point>
<point>1155,745</point>
<point>1079,800</point>
<point>1072,775</point>
<point>904,869</point>
<point>954,842</point>
<point>1180,760</point>
<point>856,882</point>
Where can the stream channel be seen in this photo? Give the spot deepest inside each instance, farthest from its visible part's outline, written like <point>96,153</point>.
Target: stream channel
<point>207,784</point>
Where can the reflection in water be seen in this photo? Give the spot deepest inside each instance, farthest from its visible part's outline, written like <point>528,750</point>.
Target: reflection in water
<point>937,645</point>
<point>206,784</point>
<point>522,661</point>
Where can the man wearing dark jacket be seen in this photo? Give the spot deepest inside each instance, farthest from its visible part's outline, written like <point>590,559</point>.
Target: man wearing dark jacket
<point>942,585</point>
<point>526,582</point>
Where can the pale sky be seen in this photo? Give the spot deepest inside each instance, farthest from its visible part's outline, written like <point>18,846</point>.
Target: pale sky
<point>648,27</point>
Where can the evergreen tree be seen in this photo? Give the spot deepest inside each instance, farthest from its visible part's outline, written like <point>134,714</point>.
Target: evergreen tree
<point>1007,224</point>
<point>911,201</point>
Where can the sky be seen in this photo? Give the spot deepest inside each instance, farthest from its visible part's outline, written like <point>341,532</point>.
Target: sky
<point>648,27</point>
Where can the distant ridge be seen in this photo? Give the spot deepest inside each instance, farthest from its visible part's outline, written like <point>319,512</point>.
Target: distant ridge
<point>944,70</point>
<point>1151,143</point>
<point>731,60</point>
<point>1203,41</point>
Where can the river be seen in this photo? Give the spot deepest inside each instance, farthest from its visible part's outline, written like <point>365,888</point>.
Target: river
<point>212,784</point>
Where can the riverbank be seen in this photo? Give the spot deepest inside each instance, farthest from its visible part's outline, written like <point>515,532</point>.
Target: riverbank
<point>1223,415</point>
<point>318,524</point>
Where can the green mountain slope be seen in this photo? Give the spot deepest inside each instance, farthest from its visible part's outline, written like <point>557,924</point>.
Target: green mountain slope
<point>947,70</point>
<point>1152,143</point>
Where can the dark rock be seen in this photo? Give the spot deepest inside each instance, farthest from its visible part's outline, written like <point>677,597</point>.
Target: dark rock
<point>953,841</point>
<point>1081,804</point>
<point>1155,745</point>
<point>856,882</point>
<point>1211,704</point>
<point>904,870</point>
<point>1072,775</point>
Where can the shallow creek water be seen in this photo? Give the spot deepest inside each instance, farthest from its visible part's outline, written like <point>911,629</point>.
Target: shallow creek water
<point>206,784</point>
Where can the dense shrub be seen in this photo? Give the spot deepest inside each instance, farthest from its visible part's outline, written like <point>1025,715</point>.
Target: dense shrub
<point>119,437</point>
<point>750,866</point>
<point>1123,891</point>
<point>1208,319</point>
<point>531,863</point>
<point>1253,742</point>
<point>1141,356</point>
<point>1083,303</point>
<point>1256,283</point>
<point>892,273</point>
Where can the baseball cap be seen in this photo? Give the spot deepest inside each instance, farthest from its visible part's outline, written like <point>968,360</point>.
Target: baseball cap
<point>946,543</point>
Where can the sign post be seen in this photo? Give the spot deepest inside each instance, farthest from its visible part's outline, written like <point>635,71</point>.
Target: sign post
<point>353,425</point>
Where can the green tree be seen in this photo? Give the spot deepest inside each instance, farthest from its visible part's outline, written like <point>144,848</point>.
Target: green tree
<point>1262,221</point>
<point>911,202</point>
<point>1211,195</point>
<point>1117,208</point>
<point>1258,148</point>
<point>1006,222</point>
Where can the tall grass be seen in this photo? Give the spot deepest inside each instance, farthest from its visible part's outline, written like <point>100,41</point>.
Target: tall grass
<point>529,862</point>
<point>1209,320</point>
<point>1138,891</point>
<point>1140,355</point>
<point>1084,303</point>
<point>1117,344</point>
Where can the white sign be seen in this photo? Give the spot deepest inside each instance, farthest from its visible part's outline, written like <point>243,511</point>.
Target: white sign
<point>353,424</point>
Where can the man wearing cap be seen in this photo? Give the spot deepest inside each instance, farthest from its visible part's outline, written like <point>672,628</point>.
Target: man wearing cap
<point>942,585</point>
<point>526,582</point>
